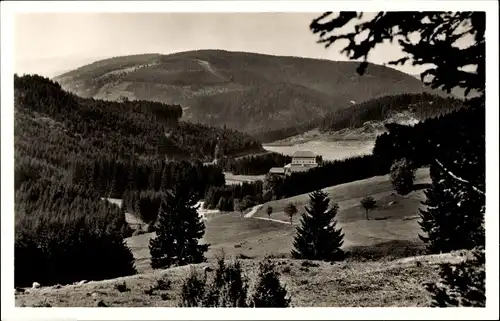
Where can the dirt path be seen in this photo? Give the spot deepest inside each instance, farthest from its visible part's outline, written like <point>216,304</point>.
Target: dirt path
<point>253,211</point>
<point>274,220</point>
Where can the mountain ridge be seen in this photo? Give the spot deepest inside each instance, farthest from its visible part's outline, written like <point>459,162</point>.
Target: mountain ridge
<point>251,92</point>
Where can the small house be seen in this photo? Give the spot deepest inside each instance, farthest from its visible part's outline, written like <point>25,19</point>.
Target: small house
<point>302,161</point>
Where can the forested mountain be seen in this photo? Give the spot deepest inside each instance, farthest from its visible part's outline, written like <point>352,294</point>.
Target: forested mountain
<point>56,127</point>
<point>254,93</point>
<point>417,106</point>
<point>70,152</point>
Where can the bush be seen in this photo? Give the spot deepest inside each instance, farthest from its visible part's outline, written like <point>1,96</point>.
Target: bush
<point>462,284</point>
<point>309,264</point>
<point>227,288</point>
<point>269,293</point>
<point>402,176</point>
<point>122,287</point>
<point>163,284</point>
<point>192,290</point>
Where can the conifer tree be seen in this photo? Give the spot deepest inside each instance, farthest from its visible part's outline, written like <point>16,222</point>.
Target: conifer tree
<point>178,231</point>
<point>269,293</point>
<point>454,215</point>
<point>318,238</point>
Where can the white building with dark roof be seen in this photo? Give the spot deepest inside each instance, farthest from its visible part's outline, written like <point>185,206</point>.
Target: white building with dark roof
<point>277,170</point>
<point>302,161</point>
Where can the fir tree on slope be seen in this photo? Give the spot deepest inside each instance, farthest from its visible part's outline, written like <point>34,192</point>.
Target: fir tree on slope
<point>317,238</point>
<point>454,216</point>
<point>269,293</point>
<point>178,231</point>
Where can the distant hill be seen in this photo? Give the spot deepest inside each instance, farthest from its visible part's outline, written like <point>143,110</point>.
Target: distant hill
<point>254,93</point>
<point>457,92</point>
<point>403,109</point>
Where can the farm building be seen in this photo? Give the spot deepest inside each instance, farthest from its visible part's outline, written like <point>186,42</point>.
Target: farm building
<point>302,161</point>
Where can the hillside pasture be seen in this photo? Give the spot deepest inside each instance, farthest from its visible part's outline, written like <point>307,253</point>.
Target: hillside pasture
<point>391,228</point>
<point>386,283</point>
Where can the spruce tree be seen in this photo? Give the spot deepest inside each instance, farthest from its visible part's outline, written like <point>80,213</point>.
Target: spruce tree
<point>269,293</point>
<point>318,238</point>
<point>178,231</point>
<point>454,216</point>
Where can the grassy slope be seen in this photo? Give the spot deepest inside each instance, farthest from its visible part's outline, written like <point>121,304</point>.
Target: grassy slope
<point>394,229</point>
<point>396,283</point>
<point>354,282</point>
<point>247,91</point>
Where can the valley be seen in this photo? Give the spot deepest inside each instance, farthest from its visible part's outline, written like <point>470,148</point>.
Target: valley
<point>377,247</point>
<point>222,160</point>
<point>227,171</point>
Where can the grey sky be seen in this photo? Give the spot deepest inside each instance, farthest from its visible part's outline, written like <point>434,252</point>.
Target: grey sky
<point>51,43</point>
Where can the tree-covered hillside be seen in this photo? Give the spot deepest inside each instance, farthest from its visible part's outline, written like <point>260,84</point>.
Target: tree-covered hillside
<point>57,126</point>
<point>71,152</point>
<point>421,106</point>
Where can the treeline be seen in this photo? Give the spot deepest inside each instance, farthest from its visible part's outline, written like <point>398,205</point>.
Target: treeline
<point>224,198</point>
<point>143,204</point>
<point>112,177</point>
<point>277,187</point>
<point>445,139</point>
<point>65,233</point>
<point>422,105</point>
<point>334,173</point>
<point>254,165</point>
<point>282,133</point>
<point>258,164</point>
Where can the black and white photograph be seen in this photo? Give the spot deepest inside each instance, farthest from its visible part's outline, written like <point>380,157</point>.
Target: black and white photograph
<point>199,155</point>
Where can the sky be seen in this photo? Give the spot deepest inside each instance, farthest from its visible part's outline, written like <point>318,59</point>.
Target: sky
<point>52,43</point>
